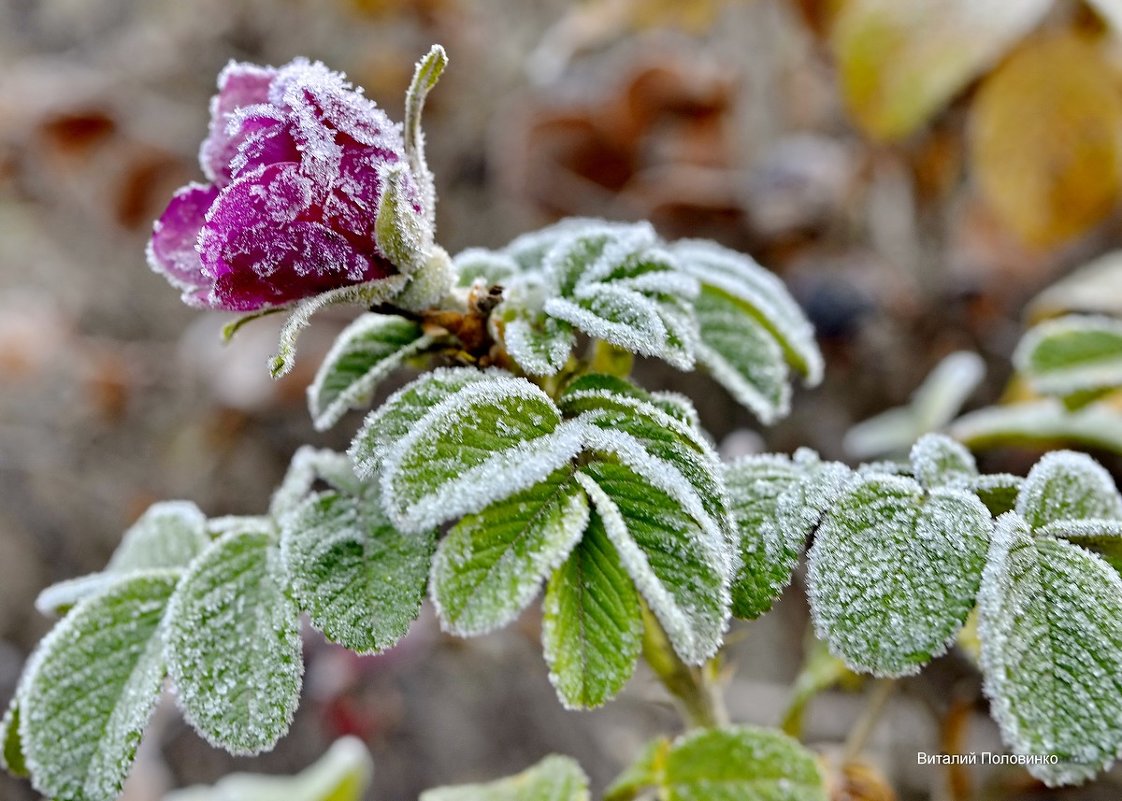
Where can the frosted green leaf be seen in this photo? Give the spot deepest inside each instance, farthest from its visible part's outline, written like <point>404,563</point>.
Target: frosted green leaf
<point>767,556</point>
<point>91,688</point>
<point>645,772</point>
<point>360,580</point>
<point>742,356</point>
<point>530,250</point>
<point>740,763</point>
<point>801,505</point>
<point>593,625</point>
<point>168,535</point>
<point>491,564</point>
<point>1070,355</point>
<point>939,461</point>
<point>308,466</point>
<point>933,405</point>
<point>365,352</point>
<point>366,294</point>
<point>616,283</point>
<point>233,644</point>
<point>598,384</point>
<point>757,294</point>
<point>489,266</point>
<point>389,423</point>
<point>486,442</point>
<point>678,563</point>
<point>555,778</point>
<point>998,491</point>
<point>538,343</point>
<point>893,572</point>
<point>403,234</point>
<point>1103,537</point>
<point>617,406</point>
<point>425,76</point>
<point>1040,423</point>
<point>11,746</point>
<point>1051,631</point>
<point>342,774</point>
<point>1065,485</point>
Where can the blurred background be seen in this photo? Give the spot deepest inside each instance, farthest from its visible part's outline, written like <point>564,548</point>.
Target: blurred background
<point>915,170</point>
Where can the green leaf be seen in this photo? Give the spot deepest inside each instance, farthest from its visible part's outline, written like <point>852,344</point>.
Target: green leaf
<point>740,763</point>
<point>387,425</point>
<point>998,491</point>
<point>555,778</point>
<point>1071,355</point>
<point>893,572</point>
<point>1094,288</point>
<point>425,76</point>
<point>11,745</point>
<point>491,564</point>
<point>364,353</point>
<point>342,774</point>
<point>767,555</point>
<point>668,545</point>
<point>1051,632</point>
<point>646,771</point>
<point>735,286</point>
<point>233,645</point>
<point>538,343</point>
<point>593,626</point>
<point>489,440</point>
<point>91,687</point>
<point>1040,423</point>
<point>616,283</point>
<point>742,356</point>
<point>1065,485</point>
<point>360,580</point>
<point>1103,537</point>
<point>403,234</point>
<point>168,535</point>
<point>939,461</point>
<point>801,505</point>
<point>308,466</point>
<point>489,266</point>
<point>366,294</point>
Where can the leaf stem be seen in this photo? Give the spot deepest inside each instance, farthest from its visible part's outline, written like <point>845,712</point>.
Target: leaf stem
<point>696,689</point>
<point>863,728</point>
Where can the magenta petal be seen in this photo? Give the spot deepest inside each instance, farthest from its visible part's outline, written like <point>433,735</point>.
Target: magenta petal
<point>263,137</point>
<point>171,251</point>
<point>239,85</point>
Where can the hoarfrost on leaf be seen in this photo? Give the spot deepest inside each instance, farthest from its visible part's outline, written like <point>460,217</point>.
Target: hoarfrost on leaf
<point>308,466</point>
<point>491,564</point>
<point>364,353</point>
<point>1065,485</point>
<point>893,572</point>
<point>360,580</point>
<point>939,461</point>
<point>555,778</point>
<point>489,266</point>
<point>91,687</point>
<point>487,441</point>
<point>1072,355</point>
<point>1051,632</point>
<point>233,646</point>
<point>592,629</point>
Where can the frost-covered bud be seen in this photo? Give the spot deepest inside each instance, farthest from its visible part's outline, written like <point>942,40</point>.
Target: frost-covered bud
<point>296,159</point>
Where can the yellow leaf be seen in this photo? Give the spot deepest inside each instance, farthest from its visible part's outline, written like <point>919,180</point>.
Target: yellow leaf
<point>902,61</point>
<point>1045,139</point>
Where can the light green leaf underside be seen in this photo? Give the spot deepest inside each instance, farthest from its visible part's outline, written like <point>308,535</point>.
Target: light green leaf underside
<point>491,564</point>
<point>676,566</point>
<point>555,778</point>
<point>1042,423</point>
<point>759,295</point>
<point>1065,485</point>
<point>91,688</point>
<point>364,353</point>
<point>342,774</point>
<point>234,649</point>
<point>592,630</point>
<point>740,763</point>
<point>768,552</point>
<point>488,441</point>
<point>893,572</point>
<point>1051,633</point>
<point>360,580</point>
<point>742,356</point>
<point>1071,355</point>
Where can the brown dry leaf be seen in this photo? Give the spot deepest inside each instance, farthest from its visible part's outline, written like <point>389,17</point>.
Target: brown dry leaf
<point>1046,139</point>
<point>901,61</point>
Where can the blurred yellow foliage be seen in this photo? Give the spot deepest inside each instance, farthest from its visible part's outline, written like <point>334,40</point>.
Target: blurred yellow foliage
<point>902,61</point>
<point>1045,136</point>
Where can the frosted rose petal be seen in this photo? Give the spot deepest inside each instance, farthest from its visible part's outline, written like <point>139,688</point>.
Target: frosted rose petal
<point>239,85</point>
<point>172,252</point>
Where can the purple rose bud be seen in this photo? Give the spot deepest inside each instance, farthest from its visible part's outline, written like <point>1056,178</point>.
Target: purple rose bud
<point>294,157</point>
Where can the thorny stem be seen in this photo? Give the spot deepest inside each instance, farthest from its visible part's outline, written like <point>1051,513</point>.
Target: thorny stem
<point>859,735</point>
<point>696,690</point>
